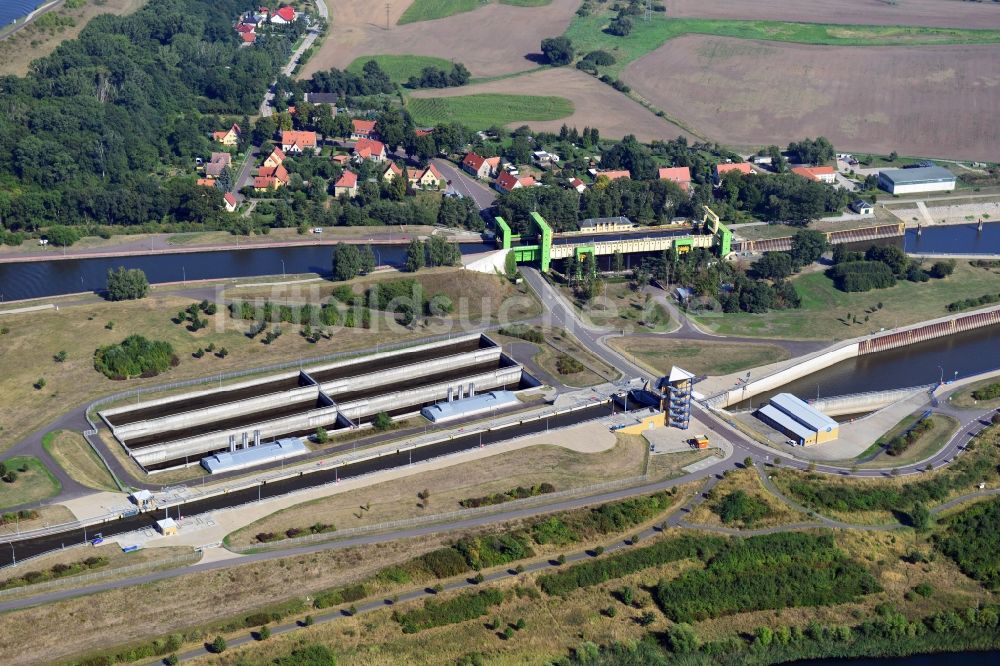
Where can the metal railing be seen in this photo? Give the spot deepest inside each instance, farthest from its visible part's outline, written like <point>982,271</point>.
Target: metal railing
<point>445,517</point>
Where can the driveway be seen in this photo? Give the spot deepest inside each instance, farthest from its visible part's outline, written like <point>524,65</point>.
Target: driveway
<point>465,184</point>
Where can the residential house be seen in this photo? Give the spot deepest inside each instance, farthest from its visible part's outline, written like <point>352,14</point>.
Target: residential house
<point>679,175</point>
<point>819,174</point>
<point>738,167</point>
<point>217,164</point>
<point>229,199</point>
<point>369,149</point>
<point>244,28</point>
<point>392,172</point>
<point>507,182</point>
<point>283,16</point>
<point>346,184</point>
<point>614,174</point>
<point>330,99</point>
<point>293,141</point>
<point>425,179</point>
<point>578,185</point>
<point>248,38</point>
<point>261,14</point>
<point>276,158</point>
<point>543,158</point>
<point>363,129</point>
<point>229,137</point>
<point>480,167</point>
<point>270,178</point>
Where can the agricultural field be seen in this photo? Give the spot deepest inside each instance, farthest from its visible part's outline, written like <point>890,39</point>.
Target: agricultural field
<point>593,103</point>
<point>933,13</point>
<point>495,39</point>
<point>931,100</point>
<point>487,109</point>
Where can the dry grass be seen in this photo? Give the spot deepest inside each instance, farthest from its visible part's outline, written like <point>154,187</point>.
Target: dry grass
<point>759,93</point>
<point>34,482</point>
<point>927,445</point>
<point>398,499</point>
<point>749,482</point>
<point>700,357</point>
<point>74,455</point>
<point>116,560</point>
<point>31,42</point>
<point>560,343</point>
<point>51,514</point>
<point>620,308</point>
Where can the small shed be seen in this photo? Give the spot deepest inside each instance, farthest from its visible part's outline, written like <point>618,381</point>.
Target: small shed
<point>862,207</point>
<point>142,498</point>
<point>167,526</point>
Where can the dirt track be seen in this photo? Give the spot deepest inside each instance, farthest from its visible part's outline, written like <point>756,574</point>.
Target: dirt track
<point>933,101</point>
<point>595,104</point>
<point>933,13</point>
<point>492,40</point>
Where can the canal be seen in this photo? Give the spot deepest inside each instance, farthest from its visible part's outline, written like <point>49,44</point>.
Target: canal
<point>36,279</point>
<point>926,362</point>
<point>939,659</point>
<point>955,239</point>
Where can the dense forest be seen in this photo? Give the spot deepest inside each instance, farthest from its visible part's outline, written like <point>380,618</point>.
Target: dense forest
<point>93,132</point>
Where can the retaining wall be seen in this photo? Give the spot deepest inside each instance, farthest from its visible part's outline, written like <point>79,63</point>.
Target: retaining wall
<point>959,324</point>
<point>864,402</point>
<point>412,371</point>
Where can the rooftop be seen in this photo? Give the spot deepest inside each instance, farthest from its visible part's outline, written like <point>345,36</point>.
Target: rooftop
<point>484,402</point>
<point>228,461</point>
<point>931,174</point>
<point>774,414</point>
<point>804,413</point>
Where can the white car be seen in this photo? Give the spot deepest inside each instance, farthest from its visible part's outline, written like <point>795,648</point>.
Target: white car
<point>318,230</point>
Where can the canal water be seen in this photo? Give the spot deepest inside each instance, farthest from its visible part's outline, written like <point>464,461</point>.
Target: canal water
<point>923,363</point>
<point>955,239</point>
<point>939,659</point>
<point>11,10</point>
<point>36,279</point>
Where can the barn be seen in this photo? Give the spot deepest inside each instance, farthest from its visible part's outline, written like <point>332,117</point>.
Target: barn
<point>920,179</point>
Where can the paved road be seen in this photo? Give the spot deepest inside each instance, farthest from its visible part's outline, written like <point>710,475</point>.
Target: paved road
<point>465,184</point>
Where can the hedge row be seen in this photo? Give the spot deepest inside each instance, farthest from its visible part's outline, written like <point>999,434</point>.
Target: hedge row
<point>458,609</point>
<point>987,392</point>
<point>966,303</point>
<point>599,571</point>
<point>898,444</point>
<point>520,492</point>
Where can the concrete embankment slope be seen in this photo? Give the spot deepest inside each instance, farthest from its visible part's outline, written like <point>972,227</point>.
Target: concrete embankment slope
<point>731,389</point>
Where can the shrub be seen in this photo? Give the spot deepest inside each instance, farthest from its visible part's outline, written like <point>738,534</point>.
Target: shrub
<point>218,646</point>
<point>523,332</point>
<point>739,507</point>
<point>862,276</point>
<point>125,285</point>
<point>458,609</point>
<point>135,356</point>
<point>263,633</point>
<point>567,365</point>
<point>382,421</point>
<point>444,562</point>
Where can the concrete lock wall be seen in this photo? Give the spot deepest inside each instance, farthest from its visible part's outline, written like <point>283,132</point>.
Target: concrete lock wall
<point>108,413</point>
<point>412,371</point>
<point>441,344</point>
<point>217,413</point>
<point>864,402</point>
<point>197,447</point>
<point>482,382</point>
<point>789,374</point>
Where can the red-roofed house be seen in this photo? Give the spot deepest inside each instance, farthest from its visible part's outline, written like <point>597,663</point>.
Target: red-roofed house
<point>363,129</point>
<point>479,166</point>
<point>679,175</point>
<point>819,174</point>
<point>346,184</point>
<point>341,160</point>
<point>229,137</point>
<point>426,179</point>
<point>248,38</point>
<point>205,182</point>
<point>615,174</point>
<point>230,200</point>
<point>276,158</point>
<point>392,172</point>
<point>270,178</point>
<point>507,182</point>
<point>369,149</point>
<point>577,185</point>
<point>739,167</point>
<point>283,16</point>
<point>244,28</point>
<point>296,142</point>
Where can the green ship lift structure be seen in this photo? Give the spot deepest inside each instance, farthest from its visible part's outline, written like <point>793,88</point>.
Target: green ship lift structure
<point>542,246</point>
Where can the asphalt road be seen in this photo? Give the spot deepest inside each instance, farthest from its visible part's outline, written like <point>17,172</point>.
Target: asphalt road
<point>465,184</point>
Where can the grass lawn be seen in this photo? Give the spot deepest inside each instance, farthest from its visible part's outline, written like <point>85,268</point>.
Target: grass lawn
<point>74,455</point>
<point>965,400</point>
<point>525,3</point>
<point>587,34</point>
<point>824,308</point>
<point>595,371</point>
<point>747,480</point>
<point>400,67</point>
<point>618,307</point>
<point>32,485</point>
<point>928,444</point>
<point>428,10</point>
<point>699,357</point>
<point>487,109</point>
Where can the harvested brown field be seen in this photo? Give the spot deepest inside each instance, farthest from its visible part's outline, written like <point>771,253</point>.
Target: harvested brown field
<point>595,104</point>
<point>934,101</point>
<point>493,40</point>
<point>932,13</point>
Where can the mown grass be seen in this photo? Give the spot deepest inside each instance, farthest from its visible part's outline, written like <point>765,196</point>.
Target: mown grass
<point>35,483</point>
<point>824,308</point>
<point>428,10</point>
<point>485,110</point>
<point>74,455</point>
<point>587,34</point>
<point>929,443</point>
<point>400,67</point>
<point>701,357</point>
